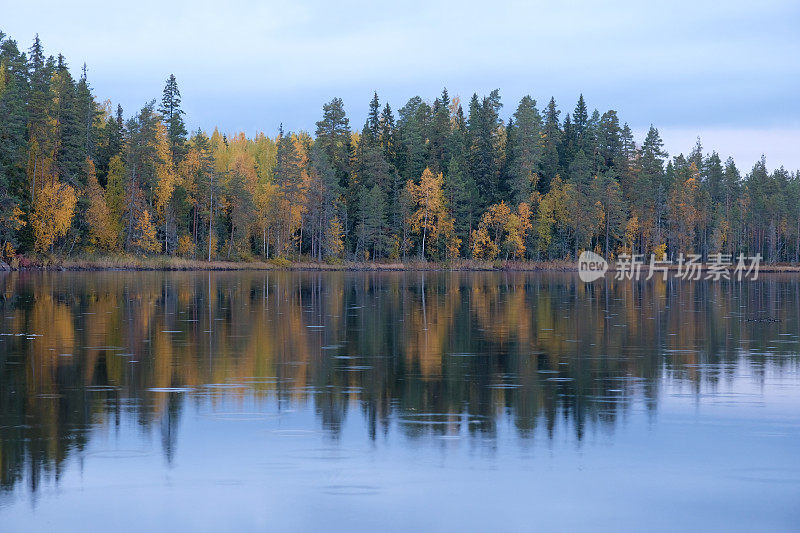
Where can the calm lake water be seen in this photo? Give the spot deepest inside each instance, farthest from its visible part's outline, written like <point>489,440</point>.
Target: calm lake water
<point>397,401</point>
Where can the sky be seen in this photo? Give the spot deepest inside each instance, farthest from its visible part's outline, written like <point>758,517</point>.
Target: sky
<point>726,72</point>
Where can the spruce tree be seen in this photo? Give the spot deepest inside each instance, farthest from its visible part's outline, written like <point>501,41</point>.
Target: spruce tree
<point>172,114</point>
<point>372,129</point>
<point>580,119</point>
<point>69,150</point>
<point>527,150</point>
<point>439,141</point>
<point>483,129</point>
<point>551,140</point>
<point>609,142</point>
<point>333,134</point>
<point>87,114</point>
<point>386,133</point>
<point>412,146</point>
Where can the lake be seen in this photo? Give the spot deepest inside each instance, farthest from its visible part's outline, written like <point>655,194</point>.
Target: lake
<point>397,401</point>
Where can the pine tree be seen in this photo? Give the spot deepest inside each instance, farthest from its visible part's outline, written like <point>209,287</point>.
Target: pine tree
<point>412,145</point>
<point>87,114</point>
<point>324,197</point>
<point>580,120</point>
<point>68,150</point>
<point>439,142</point>
<point>333,135</point>
<point>551,140</point>
<point>386,133</point>
<point>527,150</point>
<point>483,130</point>
<point>371,132</point>
<point>585,217</point>
<point>460,195</point>
<point>609,143</point>
<point>372,222</point>
<point>141,165</point>
<point>289,177</point>
<point>608,194</point>
<point>648,198</point>
<point>109,145</point>
<point>15,197</point>
<point>39,134</point>
<point>172,114</point>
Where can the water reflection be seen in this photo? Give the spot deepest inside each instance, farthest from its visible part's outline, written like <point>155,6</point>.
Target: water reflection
<point>426,355</point>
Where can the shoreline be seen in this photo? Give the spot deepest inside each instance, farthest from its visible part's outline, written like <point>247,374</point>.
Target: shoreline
<point>133,263</point>
<point>144,263</point>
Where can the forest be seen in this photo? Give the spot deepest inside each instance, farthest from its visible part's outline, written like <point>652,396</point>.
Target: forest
<point>439,181</point>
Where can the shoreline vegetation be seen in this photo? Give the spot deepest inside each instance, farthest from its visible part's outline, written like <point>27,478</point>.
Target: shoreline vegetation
<point>452,183</point>
<point>128,262</point>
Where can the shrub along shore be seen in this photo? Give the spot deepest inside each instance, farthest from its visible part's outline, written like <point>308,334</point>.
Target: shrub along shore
<point>133,262</point>
<point>160,262</point>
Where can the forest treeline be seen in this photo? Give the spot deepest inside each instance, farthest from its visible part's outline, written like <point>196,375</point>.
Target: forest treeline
<point>436,181</point>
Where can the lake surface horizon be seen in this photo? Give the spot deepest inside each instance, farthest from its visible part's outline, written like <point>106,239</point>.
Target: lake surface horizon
<point>397,400</point>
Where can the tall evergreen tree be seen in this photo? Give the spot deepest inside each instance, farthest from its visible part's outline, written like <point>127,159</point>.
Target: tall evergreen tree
<point>483,129</point>
<point>551,140</point>
<point>412,136</point>
<point>580,120</point>
<point>609,143</point>
<point>527,150</point>
<point>172,114</point>
<point>386,133</point>
<point>87,114</point>
<point>439,141</point>
<point>333,134</point>
<point>372,130</point>
<point>68,151</point>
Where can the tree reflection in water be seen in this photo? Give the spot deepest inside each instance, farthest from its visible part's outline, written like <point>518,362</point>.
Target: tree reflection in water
<point>427,353</point>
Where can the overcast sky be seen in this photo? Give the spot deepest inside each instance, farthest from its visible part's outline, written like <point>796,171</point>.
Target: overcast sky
<point>726,71</point>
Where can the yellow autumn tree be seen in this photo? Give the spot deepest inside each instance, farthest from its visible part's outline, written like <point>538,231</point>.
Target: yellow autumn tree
<point>335,238</point>
<point>145,233</point>
<point>429,214</point>
<point>53,210</point>
<point>552,225</point>
<point>684,214</point>
<point>525,215</point>
<point>496,219</point>
<point>166,180</point>
<point>483,247</point>
<point>500,226</point>
<point>452,242</point>
<point>98,217</point>
<point>515,236</point>
<point>631,233</point>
